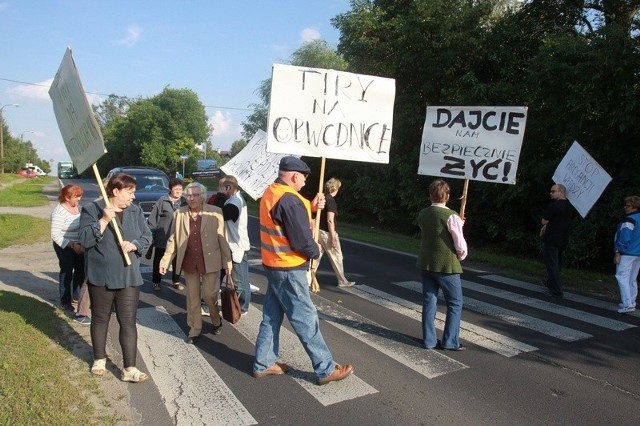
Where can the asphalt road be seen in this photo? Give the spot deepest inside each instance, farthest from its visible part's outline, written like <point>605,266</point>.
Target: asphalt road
<point>530,359</point>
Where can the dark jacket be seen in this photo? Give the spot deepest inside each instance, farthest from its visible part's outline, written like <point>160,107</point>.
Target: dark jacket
<point>161,218</point>
<point>104,261</point>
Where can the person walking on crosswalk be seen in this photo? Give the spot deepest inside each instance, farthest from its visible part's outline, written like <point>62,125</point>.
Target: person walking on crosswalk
<point>442,247</point>
<point>627,254</point>
<point>287,245</point>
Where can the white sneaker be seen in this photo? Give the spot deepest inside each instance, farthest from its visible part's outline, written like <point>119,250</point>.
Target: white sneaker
<point>627,309</point>
<point>347,284</point>
<point>204,311</point>
<point>254,288</point>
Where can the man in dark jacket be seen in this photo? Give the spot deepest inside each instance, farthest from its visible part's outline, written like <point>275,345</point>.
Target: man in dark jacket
<point>555,231</point>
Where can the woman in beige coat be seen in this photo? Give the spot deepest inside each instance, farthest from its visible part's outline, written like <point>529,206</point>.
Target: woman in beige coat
<point>197,240</point>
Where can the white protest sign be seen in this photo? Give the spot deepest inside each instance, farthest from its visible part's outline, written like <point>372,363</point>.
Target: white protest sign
<point>78,126</point>
<point>332,114</point>
<point>583,177</point>
<point>476,143</point>
<point>254,167</point>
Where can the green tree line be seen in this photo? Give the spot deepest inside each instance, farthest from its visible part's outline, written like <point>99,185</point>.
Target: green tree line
<point>574,64</point>
<point>18,152</point>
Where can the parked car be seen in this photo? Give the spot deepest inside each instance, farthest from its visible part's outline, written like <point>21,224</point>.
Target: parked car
<point>151,184</point>
<point>28,173</point>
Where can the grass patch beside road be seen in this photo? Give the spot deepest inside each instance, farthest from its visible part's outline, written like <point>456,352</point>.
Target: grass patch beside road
<point>16,191</point>
<point>20,229</point>
<point>41,381</point>
<point>27,193</point>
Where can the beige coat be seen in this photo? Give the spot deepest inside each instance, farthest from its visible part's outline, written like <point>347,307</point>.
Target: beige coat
<point>217,254</point>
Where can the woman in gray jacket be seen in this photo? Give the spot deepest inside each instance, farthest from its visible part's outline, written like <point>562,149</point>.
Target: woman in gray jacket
<point>160,221</point>
<point>110,280</point>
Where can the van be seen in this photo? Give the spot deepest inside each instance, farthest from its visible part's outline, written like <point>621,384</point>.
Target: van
<point>35,169</point>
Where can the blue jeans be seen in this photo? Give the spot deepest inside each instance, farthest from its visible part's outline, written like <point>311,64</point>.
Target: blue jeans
<point>71,274</point>
<point>240,275</point>
<point>288,294</point>
<point>451,287</point>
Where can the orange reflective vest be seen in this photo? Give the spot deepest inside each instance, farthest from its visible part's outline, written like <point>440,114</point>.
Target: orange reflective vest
<point>275,248</point>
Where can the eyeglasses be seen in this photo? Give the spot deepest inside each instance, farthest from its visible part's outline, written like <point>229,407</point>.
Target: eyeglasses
<point>193,195</point>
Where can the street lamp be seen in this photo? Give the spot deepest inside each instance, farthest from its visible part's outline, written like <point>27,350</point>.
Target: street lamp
<point>2,136</point>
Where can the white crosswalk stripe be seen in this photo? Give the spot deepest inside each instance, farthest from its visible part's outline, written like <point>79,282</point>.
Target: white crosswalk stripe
<point>585,300</point>
<point>553,308</point>
<point>487,339</point>
<point>428,363</point>
<point>292,353</point>
<point>190,389</point>
<point>542,326</point>
<point>187,389</point>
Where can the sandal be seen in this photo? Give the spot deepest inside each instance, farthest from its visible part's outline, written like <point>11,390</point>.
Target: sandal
<point>99,367</point>
<point>178,286</point>
<point>156,286</point>
<point>134,375</point>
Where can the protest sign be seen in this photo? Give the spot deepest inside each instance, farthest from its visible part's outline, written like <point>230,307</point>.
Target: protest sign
<point>332,114</point>
<point>78,126</point>
<point>254,167</point>
<point>477,143</point>
<point>583,177</point>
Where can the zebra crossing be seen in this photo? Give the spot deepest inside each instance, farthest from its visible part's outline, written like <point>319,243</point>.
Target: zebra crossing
<point>187,388</point>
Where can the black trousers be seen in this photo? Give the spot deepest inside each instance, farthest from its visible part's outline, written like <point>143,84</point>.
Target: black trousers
<point>126,305</point>
<point>553,261</point>
<point>158,253</point>
<point>71,274</point>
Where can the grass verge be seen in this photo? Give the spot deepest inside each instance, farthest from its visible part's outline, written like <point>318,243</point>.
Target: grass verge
<point>41,381</point>
<point>25,193</point>
<point>20,229</point>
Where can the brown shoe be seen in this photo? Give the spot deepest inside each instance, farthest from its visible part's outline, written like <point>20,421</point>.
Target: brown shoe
<point>274,370</point>
<point>339,373</point>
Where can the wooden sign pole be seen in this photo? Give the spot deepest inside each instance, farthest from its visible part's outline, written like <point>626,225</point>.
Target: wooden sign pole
<point>114,222</point>
<point>316,227</point>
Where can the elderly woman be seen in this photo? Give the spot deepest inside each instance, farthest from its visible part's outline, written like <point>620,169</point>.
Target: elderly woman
<point>111,281</point>
<point>65,222</point>
<point>197,240</point>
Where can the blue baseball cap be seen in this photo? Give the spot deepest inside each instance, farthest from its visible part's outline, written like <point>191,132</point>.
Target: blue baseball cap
<point>294,164</point>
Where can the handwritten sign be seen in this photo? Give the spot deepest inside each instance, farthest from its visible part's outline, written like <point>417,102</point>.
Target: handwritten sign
<point>583,177</point>
<point>332,114</point>
<point>476,143</point>
<point>78,126</point>
<point>254,167</point>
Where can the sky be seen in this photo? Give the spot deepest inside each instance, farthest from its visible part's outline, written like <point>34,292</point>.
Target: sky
<point>220,49</point>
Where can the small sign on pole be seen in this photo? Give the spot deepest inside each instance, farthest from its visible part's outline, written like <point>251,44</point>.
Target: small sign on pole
<point>583,177</point>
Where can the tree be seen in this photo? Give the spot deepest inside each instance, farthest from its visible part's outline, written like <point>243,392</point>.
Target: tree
<point>153,132</point>
<point>314,54</point>
<point>237,146</point>
<point>578,72</point>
